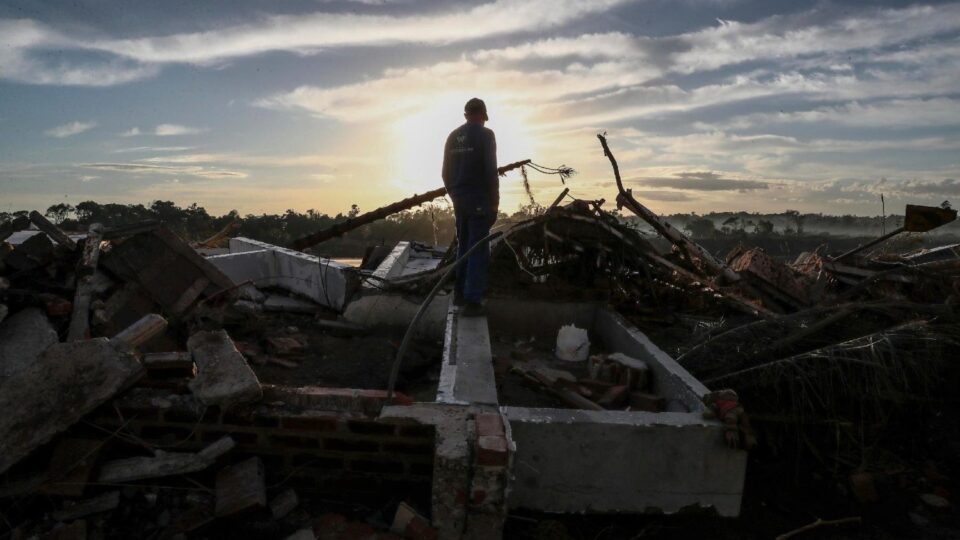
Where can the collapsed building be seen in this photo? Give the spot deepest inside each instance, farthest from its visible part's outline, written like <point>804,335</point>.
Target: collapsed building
<point>155,388</point>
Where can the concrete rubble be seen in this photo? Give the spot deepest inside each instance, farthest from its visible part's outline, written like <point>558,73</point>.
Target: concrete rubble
<point>152,391</point>
<point>223,376</point>
<point>163,464</point>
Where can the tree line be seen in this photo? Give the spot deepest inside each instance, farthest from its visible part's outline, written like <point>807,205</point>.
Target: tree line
<point>432,223</point>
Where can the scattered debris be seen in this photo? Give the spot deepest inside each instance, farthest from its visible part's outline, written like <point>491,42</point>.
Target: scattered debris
<point>163,463</point>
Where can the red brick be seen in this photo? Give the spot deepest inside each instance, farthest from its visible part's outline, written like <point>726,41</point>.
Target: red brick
<point>492,451</point>
<point>284,346</point>
<point>357,531</point>
<point>478,496</point>
<point>388,536</point>
<point>489,425</point>
<point>420,529</point>
<point>371,428</point>
<point>310,423</point>
<point>863,487</point>
<point>329,526</point>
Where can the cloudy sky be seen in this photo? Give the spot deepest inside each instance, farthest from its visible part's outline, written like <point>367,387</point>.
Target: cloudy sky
<point>267,105</point>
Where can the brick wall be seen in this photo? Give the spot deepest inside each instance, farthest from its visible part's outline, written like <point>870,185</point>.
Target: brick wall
<point>316,441</point>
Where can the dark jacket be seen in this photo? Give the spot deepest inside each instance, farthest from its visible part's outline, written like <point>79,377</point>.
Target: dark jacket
<point>470,166</point>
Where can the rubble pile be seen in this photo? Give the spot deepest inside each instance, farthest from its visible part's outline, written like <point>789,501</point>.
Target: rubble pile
<point>132,412</point>
<point>150,391</point>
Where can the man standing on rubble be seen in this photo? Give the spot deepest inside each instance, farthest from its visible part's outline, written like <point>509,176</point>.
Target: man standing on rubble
<point>470,176</point>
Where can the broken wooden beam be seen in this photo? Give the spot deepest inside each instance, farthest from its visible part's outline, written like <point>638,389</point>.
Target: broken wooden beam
<point>86,267</point>
<point>677,238</point>
<point>140,332</point>
<point>52,230</point>
<point>380,213</point>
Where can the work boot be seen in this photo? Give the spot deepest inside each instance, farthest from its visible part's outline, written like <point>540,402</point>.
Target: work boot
<point>473,309</point>
<point>458,299</point>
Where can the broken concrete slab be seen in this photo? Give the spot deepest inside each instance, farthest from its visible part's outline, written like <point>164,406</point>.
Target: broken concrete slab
<point>23,336</point>
<point>223,375</point>
<point>96,505</point>
<point>67,381</point>
<point>284,503</point>
<point>164,463</point>
<point>240,487</point>
<point>324,281</point>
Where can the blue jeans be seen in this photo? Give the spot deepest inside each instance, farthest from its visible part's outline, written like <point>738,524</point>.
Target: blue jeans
<point>473,224</point>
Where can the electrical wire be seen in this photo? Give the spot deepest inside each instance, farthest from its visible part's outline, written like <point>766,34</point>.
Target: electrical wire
<point>401,352</point>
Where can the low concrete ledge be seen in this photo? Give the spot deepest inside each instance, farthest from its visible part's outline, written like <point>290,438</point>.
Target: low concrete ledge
<point>613,461</point>
<point>467,373</point>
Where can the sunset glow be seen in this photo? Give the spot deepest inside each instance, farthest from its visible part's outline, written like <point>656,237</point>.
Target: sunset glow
<point>709,105</point>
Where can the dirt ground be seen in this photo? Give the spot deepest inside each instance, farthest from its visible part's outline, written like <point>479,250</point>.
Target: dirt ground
<point>342,360</point>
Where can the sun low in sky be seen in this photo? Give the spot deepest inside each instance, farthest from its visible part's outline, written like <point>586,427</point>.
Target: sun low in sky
<point>708,104</point>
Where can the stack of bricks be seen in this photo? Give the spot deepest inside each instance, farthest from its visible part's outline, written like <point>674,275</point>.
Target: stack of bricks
<point>487,505</point>
<point>343,451</point>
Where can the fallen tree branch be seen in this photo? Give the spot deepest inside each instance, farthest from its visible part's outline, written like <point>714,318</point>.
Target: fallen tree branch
<point>380,213</point>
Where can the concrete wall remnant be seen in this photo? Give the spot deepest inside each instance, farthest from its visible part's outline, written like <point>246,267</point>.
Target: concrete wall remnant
<point>324,281</point>
<point>606,461</point>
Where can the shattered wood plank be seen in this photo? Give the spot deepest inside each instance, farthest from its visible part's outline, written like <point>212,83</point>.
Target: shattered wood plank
<point>140,332</point>
<point>164,463</point>
<point>67,381</point>
<point>212,273</point>
<point>189,296</point>
<point>223,376</point>
<point>166,267</point>
<point>97,505</point>
<point>80,320</point>
<point>52,231</point>
<point>91,250</point>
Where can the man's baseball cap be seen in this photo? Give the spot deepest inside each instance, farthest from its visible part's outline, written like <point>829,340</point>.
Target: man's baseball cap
<point>476,105</point>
